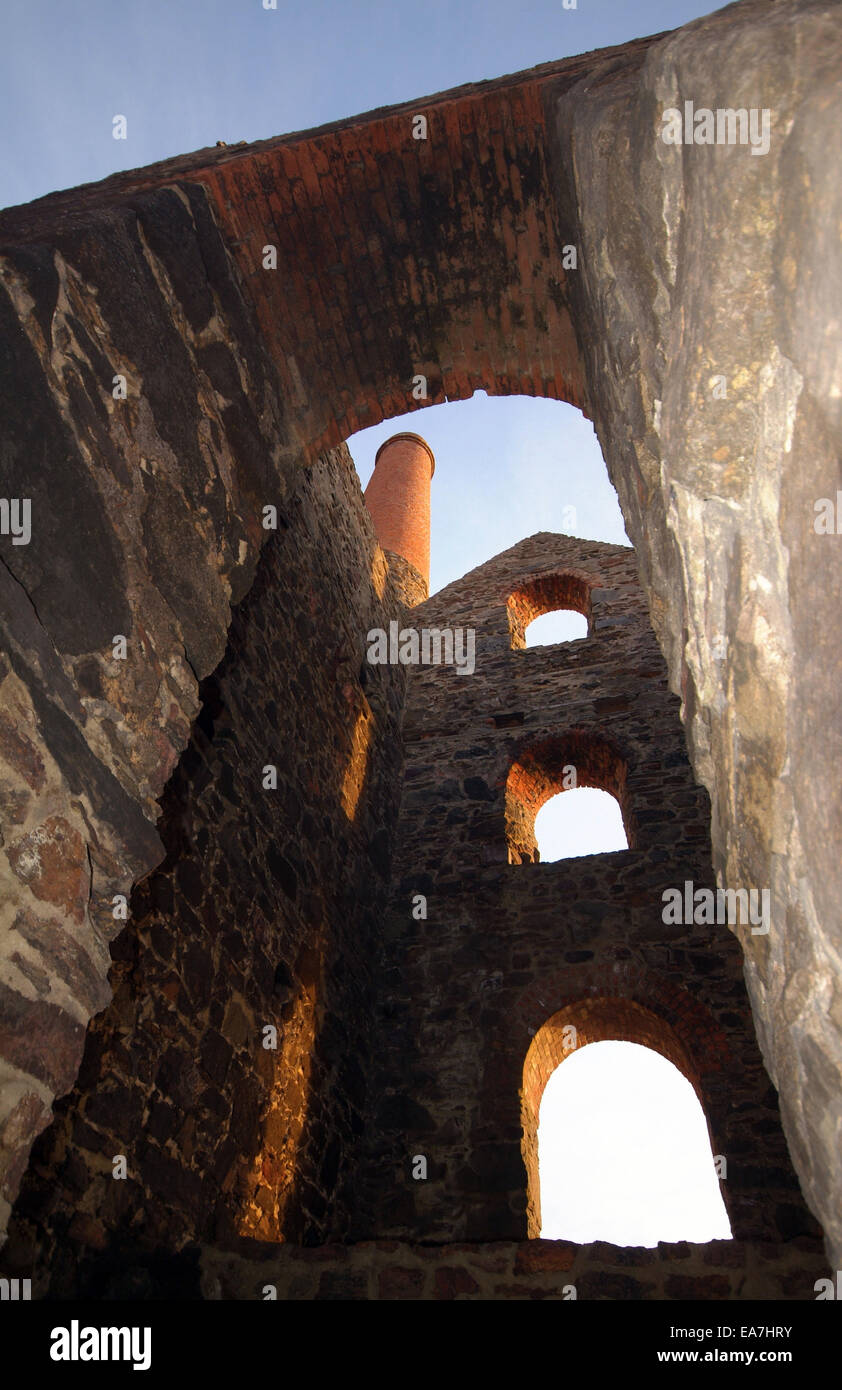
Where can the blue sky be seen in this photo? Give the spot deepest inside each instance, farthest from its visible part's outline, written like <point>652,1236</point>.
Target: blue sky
<point>187,73</point>
<point>506,467</point>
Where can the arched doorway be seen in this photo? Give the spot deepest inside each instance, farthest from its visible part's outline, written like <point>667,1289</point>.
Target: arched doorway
<point>623,1151</point>
<point>571,1029</point>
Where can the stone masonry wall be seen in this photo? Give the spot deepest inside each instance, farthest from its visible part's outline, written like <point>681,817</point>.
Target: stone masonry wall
<point>265,911</point>
<point>503,1271</point>
<point>504,946</point>
<point>708,310</point>
<point>146,523</point>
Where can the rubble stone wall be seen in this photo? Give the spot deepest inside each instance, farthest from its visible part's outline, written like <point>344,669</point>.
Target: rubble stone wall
<point>504,945</point>
<point>265,913</point>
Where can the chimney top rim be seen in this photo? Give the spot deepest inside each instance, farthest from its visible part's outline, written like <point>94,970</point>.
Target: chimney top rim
<point>407,434</point>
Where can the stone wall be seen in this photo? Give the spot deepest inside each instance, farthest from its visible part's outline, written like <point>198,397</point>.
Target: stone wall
<point>503,1271</point>
<point>506,945</point>
<point>146,523</point>
<point>706,269</point>
<point>265,911</point>
<point>399,1037</point>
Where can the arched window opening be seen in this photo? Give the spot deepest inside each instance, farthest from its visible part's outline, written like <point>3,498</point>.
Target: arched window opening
<point>559,625</point>
<point>555,608</point>
<point>623,1152</point>
<point>568,1149</point>
<point>548,767</point>
<point>582,820</point>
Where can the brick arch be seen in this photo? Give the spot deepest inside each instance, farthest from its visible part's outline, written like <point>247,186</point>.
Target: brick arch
<point>619,977</point>
<point>577,1024</point>
<point>537,772</point>
<point>546,593</point>
<point>383,274</point>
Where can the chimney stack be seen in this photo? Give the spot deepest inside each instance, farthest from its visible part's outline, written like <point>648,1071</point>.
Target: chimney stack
<point>398,500</point>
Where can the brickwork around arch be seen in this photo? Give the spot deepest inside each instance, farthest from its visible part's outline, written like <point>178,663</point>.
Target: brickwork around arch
<point>587,1020</point>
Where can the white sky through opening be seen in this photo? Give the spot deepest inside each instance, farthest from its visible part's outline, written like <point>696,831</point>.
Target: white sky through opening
<point>624,1153</point>
<point>561,625</point>
<point>582,820</point>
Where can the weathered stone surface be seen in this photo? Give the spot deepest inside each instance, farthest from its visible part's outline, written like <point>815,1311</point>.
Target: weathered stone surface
<point>396,1282</point>
<point>507,1270</point>
<point>144,523</point>
<point>26,1116</point>
<point>222,1136</point>
<point>52,861</point>
<point>728,265</point>
<point>455,1282</point>
<point>40,1038</point>
<point>538,1256</point>
<point>20,753</point>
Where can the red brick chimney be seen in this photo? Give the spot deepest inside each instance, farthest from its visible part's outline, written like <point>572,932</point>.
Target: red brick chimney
<point>398,500</point>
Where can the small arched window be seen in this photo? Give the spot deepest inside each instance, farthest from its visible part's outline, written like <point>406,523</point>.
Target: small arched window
<point>581,820</point>
<point>551,768</point>
<point>554,607</point>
